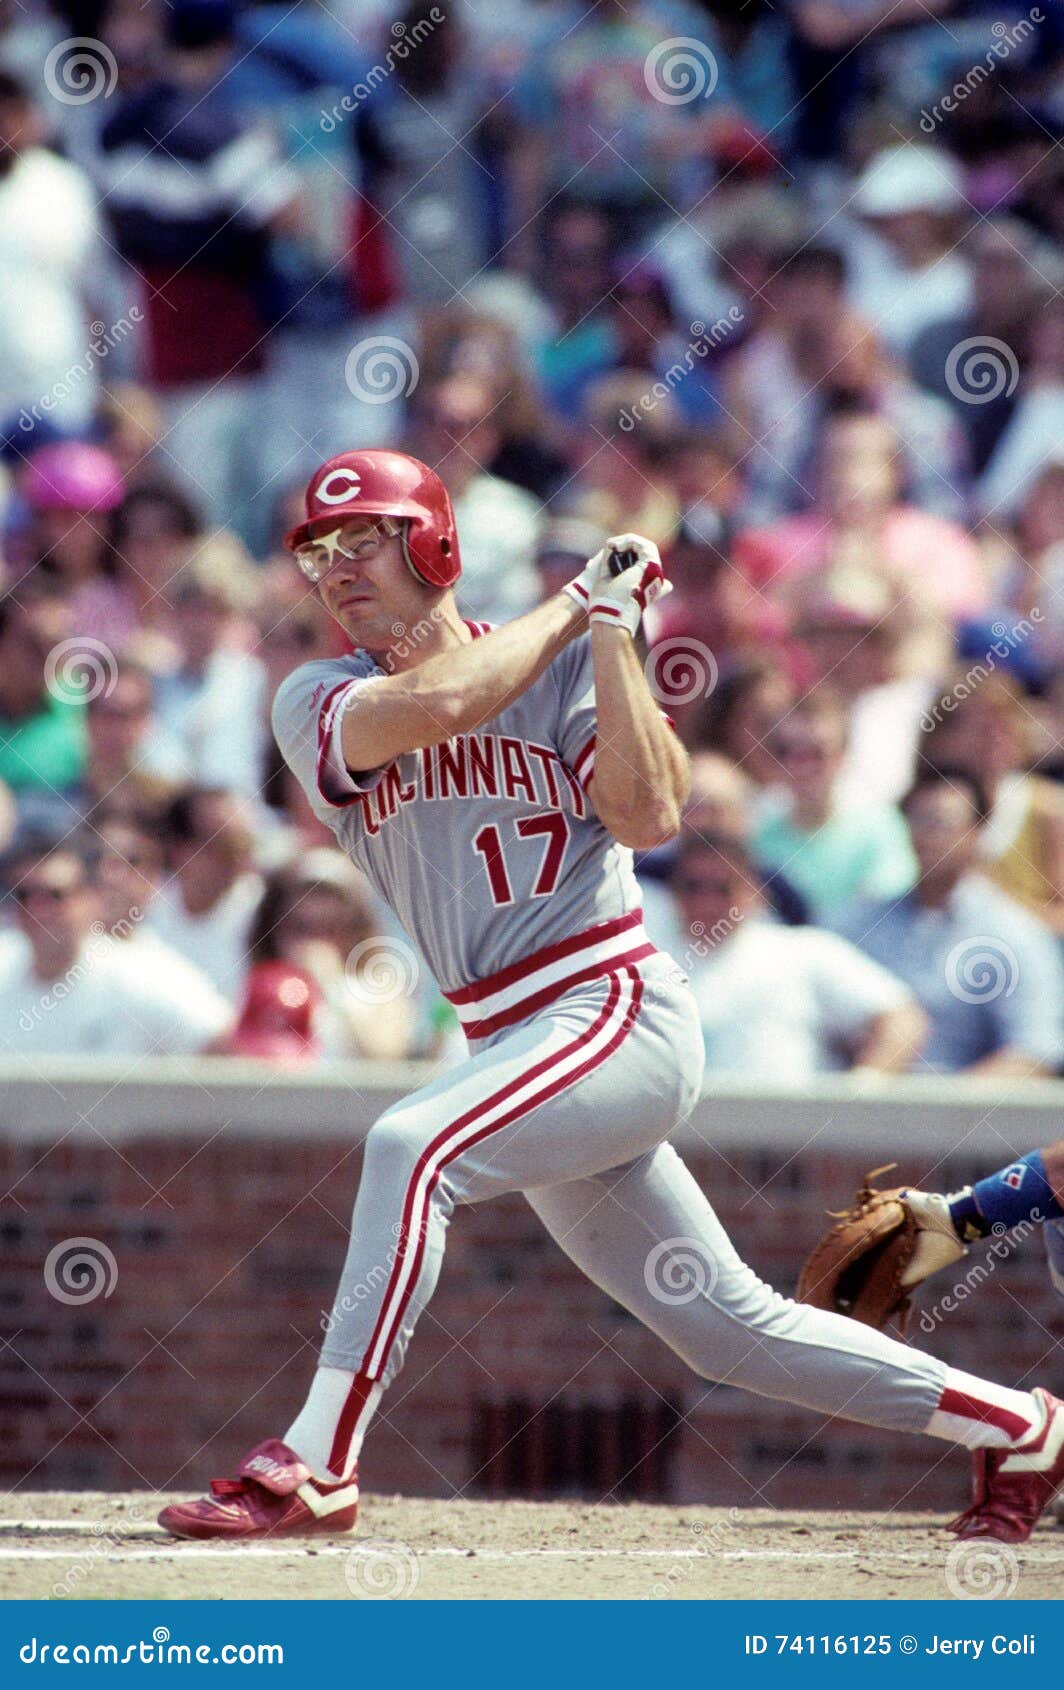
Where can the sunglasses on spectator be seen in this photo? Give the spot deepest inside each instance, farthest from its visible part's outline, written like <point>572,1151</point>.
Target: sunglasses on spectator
<point>41,889</point>
<point>721,884</point>
<point>353,543</point>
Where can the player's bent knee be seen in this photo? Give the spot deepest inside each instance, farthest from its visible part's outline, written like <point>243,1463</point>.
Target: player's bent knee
<point>397,1137</point>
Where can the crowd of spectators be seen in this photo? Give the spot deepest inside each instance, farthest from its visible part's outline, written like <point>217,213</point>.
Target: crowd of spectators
<point>780,286</point>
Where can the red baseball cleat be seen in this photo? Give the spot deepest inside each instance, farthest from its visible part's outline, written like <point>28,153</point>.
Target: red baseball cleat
<point>272,1495</point>
<point>1013,1486</point>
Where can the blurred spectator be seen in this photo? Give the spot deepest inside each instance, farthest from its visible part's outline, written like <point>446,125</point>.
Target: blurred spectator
<point>207,906</point>
<point>624,477</point>
<point>831,853</point>
<point>564,546</point>
<point>815,357</point>
<point>48,237</point>
<point>131,763</point>
<point>276,1020</point>
<point>72,491</point>
<point>1035,428</point>
<point>67,988</point>
<point>1005,284</point>
<point>988,975</point>
<point>432,187</point>
<point>911,270</point>
<point>739,714</point>
<point>154,531</point>
<point>317,916</point>
<point>454,430</point>
<point>860,523</point>
<point>194,220</point>
<point>981,725</point>
<point>131,426</point>
<point>210,702</point>
<point>126,858</point>
<point>42,726</point>
<point>781,1004</point>
<point>632,156</point>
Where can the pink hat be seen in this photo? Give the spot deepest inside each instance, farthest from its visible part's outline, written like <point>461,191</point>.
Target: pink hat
<point>73,476</point>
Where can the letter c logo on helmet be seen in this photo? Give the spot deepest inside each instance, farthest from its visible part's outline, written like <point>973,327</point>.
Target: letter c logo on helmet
<point>338,487</point>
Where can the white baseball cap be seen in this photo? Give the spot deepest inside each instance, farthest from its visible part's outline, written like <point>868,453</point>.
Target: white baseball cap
<point>909,178</point>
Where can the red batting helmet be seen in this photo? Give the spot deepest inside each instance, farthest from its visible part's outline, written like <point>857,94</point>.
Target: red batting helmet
<point>381,483</point>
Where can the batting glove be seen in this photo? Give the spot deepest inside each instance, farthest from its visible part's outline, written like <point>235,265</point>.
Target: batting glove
<point>620,600</point>
<point>584,584</point>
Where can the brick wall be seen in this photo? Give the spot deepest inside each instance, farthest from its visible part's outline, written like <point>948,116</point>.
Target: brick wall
<point>523,1377</point>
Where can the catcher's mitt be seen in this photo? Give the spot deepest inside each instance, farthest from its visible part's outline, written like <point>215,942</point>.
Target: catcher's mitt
<point>858,1267</point>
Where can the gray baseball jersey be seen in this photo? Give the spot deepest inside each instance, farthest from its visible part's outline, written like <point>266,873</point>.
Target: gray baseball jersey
<point>486,847</point>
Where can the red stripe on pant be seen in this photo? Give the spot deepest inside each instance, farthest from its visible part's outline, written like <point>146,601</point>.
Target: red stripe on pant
<point>989,1413</point>
<point>364,1381</point>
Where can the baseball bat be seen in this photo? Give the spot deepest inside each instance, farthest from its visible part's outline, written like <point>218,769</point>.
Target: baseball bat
<point>621,560</point>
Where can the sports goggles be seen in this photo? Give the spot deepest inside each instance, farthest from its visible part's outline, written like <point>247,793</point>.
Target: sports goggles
<point>353,543</point>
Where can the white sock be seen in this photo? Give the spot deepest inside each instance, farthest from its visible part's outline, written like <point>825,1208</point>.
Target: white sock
<point>340,1406</point>
<point>979,1415</point>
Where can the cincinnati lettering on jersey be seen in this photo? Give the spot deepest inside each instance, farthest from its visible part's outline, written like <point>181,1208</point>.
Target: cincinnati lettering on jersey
<point>477,766</point>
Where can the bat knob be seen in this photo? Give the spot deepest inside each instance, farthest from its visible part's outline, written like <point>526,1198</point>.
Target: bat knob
<point>619,561</point>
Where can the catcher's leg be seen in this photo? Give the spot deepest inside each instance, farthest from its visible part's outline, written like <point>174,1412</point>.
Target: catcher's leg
<point>649,1237</point>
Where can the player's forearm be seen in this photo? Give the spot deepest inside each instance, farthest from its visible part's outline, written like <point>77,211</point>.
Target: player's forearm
<point>641,770</point>
<point>460,689</point>
<point>893,1040</point>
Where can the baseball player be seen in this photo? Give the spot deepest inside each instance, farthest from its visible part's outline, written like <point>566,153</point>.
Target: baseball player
<point>491,783</point>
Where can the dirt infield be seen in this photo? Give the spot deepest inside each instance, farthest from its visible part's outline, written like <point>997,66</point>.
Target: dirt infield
<point>88,1545</point>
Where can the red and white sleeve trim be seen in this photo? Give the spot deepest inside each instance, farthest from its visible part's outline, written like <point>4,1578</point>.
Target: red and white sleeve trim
<point>335,782</point>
